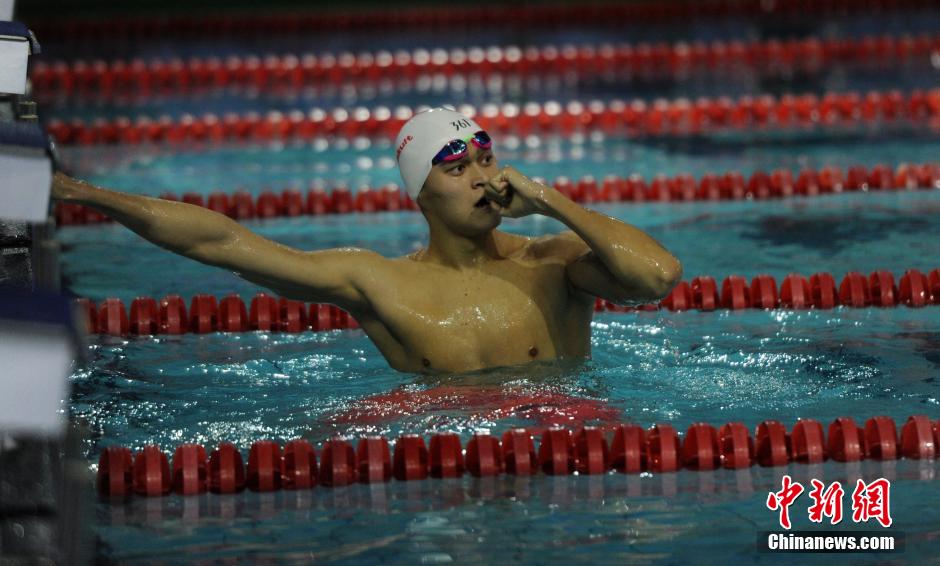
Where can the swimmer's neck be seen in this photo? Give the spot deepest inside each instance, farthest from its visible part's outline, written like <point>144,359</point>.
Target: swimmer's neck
<point>452,250</point>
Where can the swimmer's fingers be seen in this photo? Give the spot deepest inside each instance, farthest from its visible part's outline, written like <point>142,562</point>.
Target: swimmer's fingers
<point>498,190</point>
<point>511,204</point>
<point>514,177</point>
<point>515,192</point>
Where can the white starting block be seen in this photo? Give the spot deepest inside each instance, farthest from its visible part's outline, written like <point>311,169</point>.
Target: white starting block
<point>6,10</point>
<point>16,45</point>
<point>26,163</point>
<point>38,343</point>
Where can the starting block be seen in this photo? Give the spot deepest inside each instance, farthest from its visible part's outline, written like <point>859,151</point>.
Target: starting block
<point>26,161</point>
<point>38,343</point>
<point>16,45</point>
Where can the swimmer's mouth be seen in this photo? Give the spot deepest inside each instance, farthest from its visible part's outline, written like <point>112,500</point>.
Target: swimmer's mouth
<point>482,202</point>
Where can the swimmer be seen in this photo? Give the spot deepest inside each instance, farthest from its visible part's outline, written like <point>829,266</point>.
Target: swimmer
<point>475,297</point>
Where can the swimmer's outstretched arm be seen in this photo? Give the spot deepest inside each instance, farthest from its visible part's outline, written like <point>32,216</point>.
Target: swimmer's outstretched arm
<point>606,257</point>
<point>328,276</point>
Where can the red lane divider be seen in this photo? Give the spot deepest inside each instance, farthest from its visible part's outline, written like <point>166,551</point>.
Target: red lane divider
<point>207,314</point>
<point>637,118</point>
<point>451,18</point>
<point>267,313</point>
<point>796,292</point>
<point>103,80</point>
<point>624,448</point>
<point>732,185</point>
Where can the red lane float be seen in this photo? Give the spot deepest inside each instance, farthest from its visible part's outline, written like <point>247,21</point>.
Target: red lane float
<point>484,456</point>
<point>778,58</point>
<point>445,456</point>
<point>631,451</point>
<point>846,443</point>
<point>337,463</point>
<point>807,442</point>
<point>637,118</point>
<point>591,455</point>
<point>519,453</point>
<point>704,293</point>
<point>556,452</point>
<point>795,292</point>
<point>172,315</point>
<point>771,445</point>
<point>115,472</point>
<point>144,317</point>
<point>366,200</point>
<point>264,466</point>
<point>226,469</point>
<point>270,314</point>
<point>267,313</point>
<point>298,465</point>
<point>881,438</point>
<point>628,449</point>
<point>151,472</point>
<point>375,461</point>
<point>662,449</point>
<point>700,448</point>
<point>918,439</point>
<point>736,447</point>
<point>411,458</point>
<point>190,475</point>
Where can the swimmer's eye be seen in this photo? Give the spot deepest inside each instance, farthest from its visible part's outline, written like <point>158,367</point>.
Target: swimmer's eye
<point>486,158</point>
<point>457,170</point>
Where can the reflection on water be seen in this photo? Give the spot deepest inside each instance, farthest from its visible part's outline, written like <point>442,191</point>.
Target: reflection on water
<point>435,518</point>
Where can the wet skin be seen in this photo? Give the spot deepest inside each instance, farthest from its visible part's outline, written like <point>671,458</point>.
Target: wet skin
<point>474,298</point>
<point>515,308</point>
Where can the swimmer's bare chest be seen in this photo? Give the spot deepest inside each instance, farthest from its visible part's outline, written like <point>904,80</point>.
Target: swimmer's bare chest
<point>511,311</point>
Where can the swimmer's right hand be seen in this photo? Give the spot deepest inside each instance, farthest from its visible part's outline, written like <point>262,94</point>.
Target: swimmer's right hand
<point>517,195</point>
<point>64,187</point>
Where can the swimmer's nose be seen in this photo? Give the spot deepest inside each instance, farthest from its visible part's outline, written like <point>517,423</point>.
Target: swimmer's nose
<point>480,178</point>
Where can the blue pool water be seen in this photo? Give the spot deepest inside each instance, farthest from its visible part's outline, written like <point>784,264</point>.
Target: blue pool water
<point>646,367</point>
<point>201,168</point>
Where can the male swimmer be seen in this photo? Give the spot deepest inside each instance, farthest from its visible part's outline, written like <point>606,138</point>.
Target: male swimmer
<point>475,297</point>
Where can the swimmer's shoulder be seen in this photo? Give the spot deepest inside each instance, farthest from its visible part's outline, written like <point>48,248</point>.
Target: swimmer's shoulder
<point>511,245</point>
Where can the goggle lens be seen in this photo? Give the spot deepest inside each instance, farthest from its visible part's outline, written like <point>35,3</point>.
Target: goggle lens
<point>457,149</point>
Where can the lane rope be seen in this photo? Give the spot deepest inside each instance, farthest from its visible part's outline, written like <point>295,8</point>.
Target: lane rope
<point>206,313</point>
<point>638,119</point>
<point>624,448</point>
<point>731,185</point>
<point>140,79</point>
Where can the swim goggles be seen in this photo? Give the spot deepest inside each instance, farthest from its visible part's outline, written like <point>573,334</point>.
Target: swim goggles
<point>457,149</point>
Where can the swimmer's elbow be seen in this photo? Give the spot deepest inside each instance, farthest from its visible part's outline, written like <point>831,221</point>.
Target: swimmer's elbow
<point>674,274</point>
<point>668,278</point>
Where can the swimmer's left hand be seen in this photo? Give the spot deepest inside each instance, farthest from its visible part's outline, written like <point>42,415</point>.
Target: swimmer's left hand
<point>517,195</point>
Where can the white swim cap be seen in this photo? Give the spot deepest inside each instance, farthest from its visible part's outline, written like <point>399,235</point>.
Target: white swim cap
<point>422,137</point>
